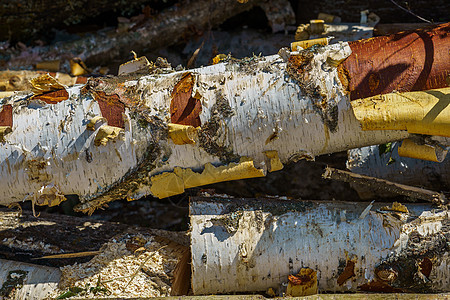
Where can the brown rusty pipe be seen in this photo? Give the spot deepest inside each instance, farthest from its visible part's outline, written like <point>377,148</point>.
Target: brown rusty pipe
<point>407,61</point>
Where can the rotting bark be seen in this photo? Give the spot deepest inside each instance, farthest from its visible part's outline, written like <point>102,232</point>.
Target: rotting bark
<point>376,184</point>
<point>353,246</point>
<point>113,138</point>
<point>166,28</point>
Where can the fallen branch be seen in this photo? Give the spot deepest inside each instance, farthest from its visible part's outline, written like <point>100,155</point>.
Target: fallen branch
<point>162,133</point>
<point>376,184</point>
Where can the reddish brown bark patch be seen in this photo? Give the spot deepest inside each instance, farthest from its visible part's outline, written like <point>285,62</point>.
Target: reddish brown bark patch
<point>6,116</point>
<point>425,266</point>
<point>349,272</point>
<point>377,286</point>
<point>53,97</point>
<point>408,61</point>
<point>185,109</point>
<point>111,108</point>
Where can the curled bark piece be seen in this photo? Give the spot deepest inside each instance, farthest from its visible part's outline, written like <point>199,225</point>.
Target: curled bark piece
<point>386,250</point>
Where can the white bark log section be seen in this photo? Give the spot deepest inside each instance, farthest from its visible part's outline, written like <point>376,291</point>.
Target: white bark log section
<point>250,245</point>
<point>32,282</point>
<point>248,107</point>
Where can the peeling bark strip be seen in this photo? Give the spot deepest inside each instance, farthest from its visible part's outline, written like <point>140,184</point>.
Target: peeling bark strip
<point>6,115</point>
<point>350,247</point>
<point>185,109</point>
<point>407,61</point>
<point>112,109</point>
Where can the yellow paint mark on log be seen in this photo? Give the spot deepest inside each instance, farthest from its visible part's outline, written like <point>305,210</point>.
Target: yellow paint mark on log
<point>275,162</point>
<point>173,183</point>
<point>410,149</point>
<point>424,112</point>
<point>94,121</point>
<point>107,133</point>
<point>4,130</point>
<point>302,284</point>
<point>397,207</point>
<point>182,134</point>
<point>308,43</point>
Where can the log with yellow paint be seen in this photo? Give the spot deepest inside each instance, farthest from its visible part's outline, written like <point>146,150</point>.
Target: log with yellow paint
<point>125,137</point>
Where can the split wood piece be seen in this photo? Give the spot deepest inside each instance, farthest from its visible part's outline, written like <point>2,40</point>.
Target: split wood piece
<point>292,103</point>
<point>168,27</point>
<point>387,164</point>
<point>251,245</point>
<point>377,184</point>
<point>20,280</point>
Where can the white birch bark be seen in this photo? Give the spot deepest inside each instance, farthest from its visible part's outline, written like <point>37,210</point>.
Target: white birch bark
<point>250,245</point>
<point>251,106</point>
<point>34,282</point>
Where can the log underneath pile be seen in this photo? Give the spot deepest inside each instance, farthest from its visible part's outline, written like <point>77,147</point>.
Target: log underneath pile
<point>252,245</point>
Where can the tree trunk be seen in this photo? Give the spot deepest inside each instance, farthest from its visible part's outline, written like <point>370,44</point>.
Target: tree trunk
<point>159,134</point>
<point>251,245</point>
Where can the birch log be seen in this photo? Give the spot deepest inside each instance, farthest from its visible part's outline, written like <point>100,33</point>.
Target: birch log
<point>250,245</point>
<point>158,134</point>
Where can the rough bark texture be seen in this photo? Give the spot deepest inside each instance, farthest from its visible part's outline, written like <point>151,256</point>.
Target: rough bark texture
<point>248,245</point>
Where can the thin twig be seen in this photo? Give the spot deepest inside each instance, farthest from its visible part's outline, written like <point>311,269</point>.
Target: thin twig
<point>409,11</point>
<point>141,265</point>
